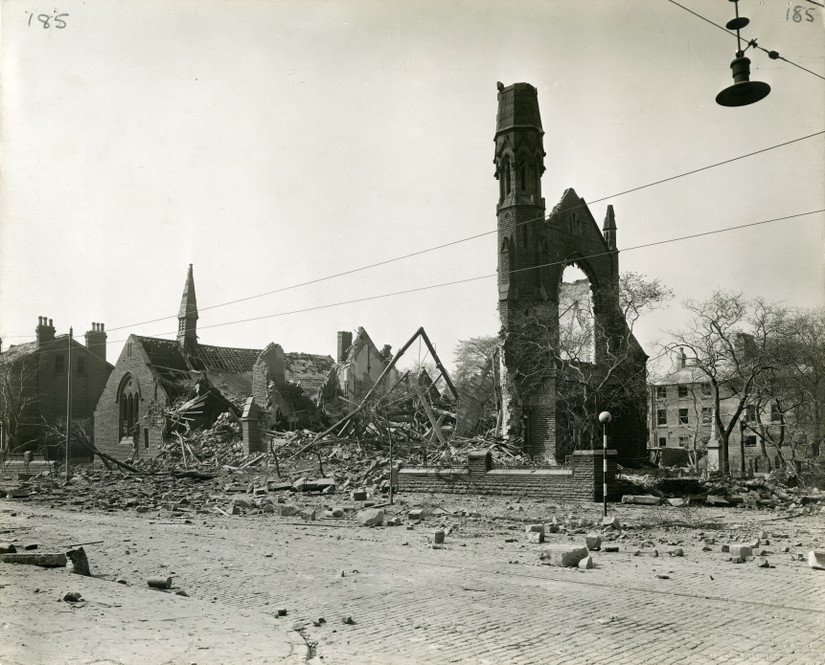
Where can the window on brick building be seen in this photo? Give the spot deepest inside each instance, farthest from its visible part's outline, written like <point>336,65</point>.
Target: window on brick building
<point>750,441</point>
<point>706,389</point>
<point>750,413</point>
<point>661,392</point>
<point>683,417</point>
<point>662,442</point>
<point>706,414</point>
<point>776,413</point>
<point>81,366</point>
<point>59,364</point>
<point>683,391</point>
<point>661,417</point>
<point>683,441</point>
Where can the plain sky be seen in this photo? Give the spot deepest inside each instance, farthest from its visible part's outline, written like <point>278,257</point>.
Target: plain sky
<point>274,143</point>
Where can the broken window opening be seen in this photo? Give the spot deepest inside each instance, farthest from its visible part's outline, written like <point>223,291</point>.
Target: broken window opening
<point>577,339</point>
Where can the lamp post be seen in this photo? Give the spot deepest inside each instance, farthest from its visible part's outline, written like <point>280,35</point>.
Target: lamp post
<point>604,419</point>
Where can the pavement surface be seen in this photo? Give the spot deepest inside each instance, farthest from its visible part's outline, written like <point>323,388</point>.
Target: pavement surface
<point>113,623</point>
<point>483,598</point>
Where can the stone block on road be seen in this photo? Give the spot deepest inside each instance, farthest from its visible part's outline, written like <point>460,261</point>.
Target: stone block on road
<point>565,556</point>
<point>371,517</point>
<point>45,560</point>
<point>714,500</point>
<point>740,551</point>
<point>288,510</point>
<point>593,541</point>
<point>641,499</point>
<point>816,559</point>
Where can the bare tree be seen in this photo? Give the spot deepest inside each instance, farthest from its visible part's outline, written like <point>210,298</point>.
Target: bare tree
<point>472,356</point>
<point>788,405</point>
<point>19,397</point>
<point>734,343</point>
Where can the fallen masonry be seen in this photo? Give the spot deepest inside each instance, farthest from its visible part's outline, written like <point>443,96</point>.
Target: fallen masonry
<point>564,556</point>
<point>43,559</point>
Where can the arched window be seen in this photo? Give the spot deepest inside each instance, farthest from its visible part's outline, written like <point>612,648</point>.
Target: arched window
<point>507,174</point>
<point>128,407</point>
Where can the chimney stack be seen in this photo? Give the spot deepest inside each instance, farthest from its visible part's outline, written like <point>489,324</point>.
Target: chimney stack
<point>344,342</point>
<point>44,330</point>
<point>96,341</point>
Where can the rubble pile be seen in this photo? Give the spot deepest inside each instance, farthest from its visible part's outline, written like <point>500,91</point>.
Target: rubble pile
<point>216,446</point>
<point>769,491</point>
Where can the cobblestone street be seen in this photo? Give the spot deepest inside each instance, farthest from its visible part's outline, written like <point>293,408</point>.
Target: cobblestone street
<point>480,599</point>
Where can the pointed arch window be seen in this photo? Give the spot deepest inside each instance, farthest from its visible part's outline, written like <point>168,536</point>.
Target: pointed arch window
<point>128,408</point>
<point>507,174</point>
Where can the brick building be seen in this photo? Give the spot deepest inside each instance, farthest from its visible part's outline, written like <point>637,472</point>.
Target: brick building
<point>681,417</point>
<point>34,380</point>
<point>202,381</point>
<point>533,251</point>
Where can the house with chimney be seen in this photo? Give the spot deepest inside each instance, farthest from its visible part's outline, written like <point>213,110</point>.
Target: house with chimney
<point>682,419</point>
<point>156,378</point>
<point>34,384</point>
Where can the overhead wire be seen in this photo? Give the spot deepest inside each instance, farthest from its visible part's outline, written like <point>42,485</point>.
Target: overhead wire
<point>476,236</point>
<point>475,278</point>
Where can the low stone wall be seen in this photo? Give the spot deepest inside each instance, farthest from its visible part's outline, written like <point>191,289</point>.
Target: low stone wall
<point>581,482</point>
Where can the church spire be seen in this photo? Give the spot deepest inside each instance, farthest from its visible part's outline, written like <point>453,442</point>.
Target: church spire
<point>188,315</point>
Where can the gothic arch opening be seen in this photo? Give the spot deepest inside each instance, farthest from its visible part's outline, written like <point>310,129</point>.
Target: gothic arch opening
<point>577,321</point>
<point>128,398</point>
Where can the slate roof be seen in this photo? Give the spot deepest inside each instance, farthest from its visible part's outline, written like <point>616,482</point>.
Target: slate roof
<point>229,369</point>
<point>308,370</point>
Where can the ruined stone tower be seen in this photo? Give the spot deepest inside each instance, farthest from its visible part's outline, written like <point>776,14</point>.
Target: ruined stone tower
<point>519,159</point>
<point>533,252</point>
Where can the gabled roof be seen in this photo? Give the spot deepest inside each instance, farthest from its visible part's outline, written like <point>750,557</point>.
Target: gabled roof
<point>17,351</point>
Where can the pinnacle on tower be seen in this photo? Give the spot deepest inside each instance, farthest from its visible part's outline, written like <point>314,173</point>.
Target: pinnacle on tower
<point>609,228</point>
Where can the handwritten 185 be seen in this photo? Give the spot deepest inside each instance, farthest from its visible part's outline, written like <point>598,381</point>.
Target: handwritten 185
<point>49,21</point>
